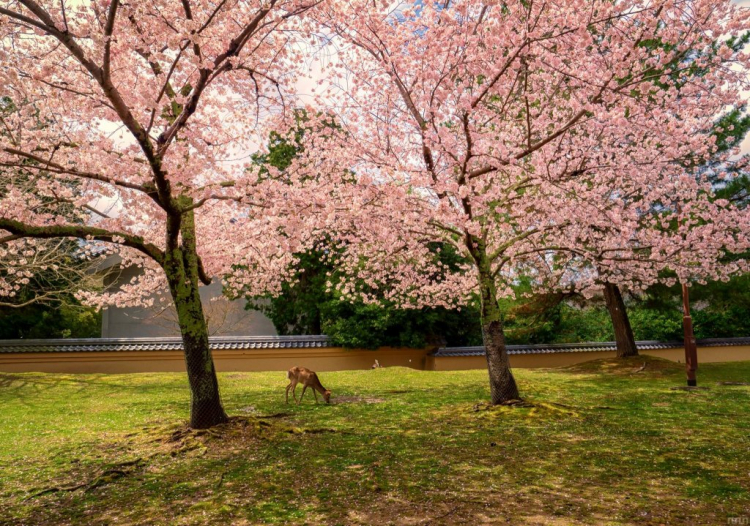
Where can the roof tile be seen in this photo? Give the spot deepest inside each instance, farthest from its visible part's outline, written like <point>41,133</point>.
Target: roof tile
<point>158,344</point>
<point>587,347</point>
<point>296,342</point>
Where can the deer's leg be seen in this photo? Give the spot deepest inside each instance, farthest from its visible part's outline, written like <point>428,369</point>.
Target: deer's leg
<point>304,388</point>
<point>315,394</point>
<point>294,390</point>
<point>287,391</point>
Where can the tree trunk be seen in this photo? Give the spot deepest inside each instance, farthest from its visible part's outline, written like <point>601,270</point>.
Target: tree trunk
<point>623,331</point>
<point>502,384</point>
<point>181,268</point>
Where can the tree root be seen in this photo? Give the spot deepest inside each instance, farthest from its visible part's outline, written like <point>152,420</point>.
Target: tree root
<point>517,403</point>
<point>105,477</point>
<point>189,443</point>
<point>54,489</point>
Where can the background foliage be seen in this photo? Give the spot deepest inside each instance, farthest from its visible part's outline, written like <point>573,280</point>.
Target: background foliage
<point>307,307</point>
<point>45,321</point>
<point>719,310</point>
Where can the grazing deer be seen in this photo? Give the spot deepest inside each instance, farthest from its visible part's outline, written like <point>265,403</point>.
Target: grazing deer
<point>307,378</point>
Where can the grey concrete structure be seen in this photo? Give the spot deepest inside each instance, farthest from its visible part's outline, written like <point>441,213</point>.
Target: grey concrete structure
<point>225,318</point>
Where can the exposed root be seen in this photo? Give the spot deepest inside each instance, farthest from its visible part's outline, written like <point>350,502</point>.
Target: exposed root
<point>110,474</point>
<point>733,383</point>
<point>517,403</point>
<point>54,489</point>
<point>188,445</point>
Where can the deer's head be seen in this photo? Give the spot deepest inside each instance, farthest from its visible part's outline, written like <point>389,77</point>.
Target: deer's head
<point>327,396</point>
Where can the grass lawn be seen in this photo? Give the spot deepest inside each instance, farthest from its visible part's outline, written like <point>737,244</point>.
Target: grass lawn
<point>597,444</point>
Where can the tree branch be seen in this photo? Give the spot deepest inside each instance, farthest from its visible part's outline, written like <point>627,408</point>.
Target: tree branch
<point>108,30</point>
<point>46,24</point>
<point>205,76</point>
<point>82,232</point>
<point>59,169</point>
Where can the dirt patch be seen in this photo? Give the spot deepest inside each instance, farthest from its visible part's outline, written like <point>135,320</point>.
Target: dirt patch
<point>182,441</point>
<point>634,365</point>
<point>357,400</point>
<point>475,507</point>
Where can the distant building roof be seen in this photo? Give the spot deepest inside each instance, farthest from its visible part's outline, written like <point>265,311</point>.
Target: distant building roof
<point>588,347</point>
<point>159,344</point>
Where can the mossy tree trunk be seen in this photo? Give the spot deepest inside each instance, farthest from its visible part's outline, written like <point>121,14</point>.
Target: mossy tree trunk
<point>181,266</point>
<point>503,386</point>
<point>620,321</point>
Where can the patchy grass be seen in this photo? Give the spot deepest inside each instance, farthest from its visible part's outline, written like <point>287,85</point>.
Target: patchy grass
<point>598,443</point>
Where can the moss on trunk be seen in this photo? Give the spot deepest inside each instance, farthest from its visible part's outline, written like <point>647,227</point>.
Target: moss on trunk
<point>502,384</point>
<point>620,322</point>
<point>181,268</point>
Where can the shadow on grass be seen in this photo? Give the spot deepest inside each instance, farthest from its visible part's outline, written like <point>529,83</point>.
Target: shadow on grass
<point>595,449</point>
<point>643,365</point>
<point>27,385</point>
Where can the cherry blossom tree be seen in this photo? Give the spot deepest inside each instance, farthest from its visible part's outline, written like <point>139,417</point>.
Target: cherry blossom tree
<point>632,249</point>
<point>148,107</point>
<point>720,225</point>
<point>515,130</point>
<point>49,272</point>
<point>42,271</point>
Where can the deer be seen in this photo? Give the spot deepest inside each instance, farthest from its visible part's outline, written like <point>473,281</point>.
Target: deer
<point>307,378</point>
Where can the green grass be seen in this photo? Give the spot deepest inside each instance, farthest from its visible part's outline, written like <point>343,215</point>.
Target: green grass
<point>598,444</point>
